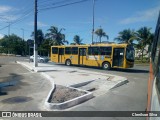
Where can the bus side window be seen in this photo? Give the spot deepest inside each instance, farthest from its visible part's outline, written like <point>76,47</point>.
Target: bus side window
<point>68,50</point>
<point>93,50</point>
<point>74,50</point>
<point>157,59</point>
<point>105,50</point>
<point>155,49</point>
<point>158,80</point>
<point>89,50</point>
<point>54,50</point>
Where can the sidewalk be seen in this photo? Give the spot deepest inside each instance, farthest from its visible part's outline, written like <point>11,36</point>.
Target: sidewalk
<point>68,76</point>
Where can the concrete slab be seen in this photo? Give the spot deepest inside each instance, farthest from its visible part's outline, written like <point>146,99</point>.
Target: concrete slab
<point>68,76</point>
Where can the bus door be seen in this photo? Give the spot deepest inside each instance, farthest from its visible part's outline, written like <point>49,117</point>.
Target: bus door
<point>61,55</point>
<point>118,57</point>
<point>82,56</point>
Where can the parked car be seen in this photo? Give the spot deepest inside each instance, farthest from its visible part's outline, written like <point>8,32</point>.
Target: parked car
<point>41,59</point>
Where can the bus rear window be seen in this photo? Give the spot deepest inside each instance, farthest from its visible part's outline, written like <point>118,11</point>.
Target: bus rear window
<point>54,50</point>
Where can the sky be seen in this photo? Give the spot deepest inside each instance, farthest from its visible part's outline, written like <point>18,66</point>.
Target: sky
<point>112,16</point>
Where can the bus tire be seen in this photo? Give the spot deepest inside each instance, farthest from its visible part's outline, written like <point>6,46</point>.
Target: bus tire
<point>106,65</point>
<point>68,62</point>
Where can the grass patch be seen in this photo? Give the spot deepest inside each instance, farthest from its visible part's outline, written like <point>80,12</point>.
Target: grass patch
<point>144,62</point>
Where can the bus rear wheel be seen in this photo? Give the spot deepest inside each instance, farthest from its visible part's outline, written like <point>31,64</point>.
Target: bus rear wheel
<point>68,62</point>
<point>106,66</point>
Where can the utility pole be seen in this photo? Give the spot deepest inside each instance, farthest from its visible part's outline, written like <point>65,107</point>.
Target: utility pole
<point>93,21</point>
<point>35,36</point>
<point>23,52</point>
<point>22,34</point>
<point>9,29</point>
<point>8,34</point>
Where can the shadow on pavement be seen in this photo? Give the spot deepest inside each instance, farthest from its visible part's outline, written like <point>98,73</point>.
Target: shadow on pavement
<point>130,70</point>
<point>11,83</point>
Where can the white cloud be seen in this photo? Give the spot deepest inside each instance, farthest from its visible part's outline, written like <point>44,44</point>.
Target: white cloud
<point>142,16</point>
<point>39,24</point>
<point>6,14</point>
<point>8,18</point>
<point>4,9</point>
<point>1,36</point>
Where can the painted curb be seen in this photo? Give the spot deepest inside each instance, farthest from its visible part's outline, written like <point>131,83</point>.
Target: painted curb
<point>26,66</point>
<point>69,103</point>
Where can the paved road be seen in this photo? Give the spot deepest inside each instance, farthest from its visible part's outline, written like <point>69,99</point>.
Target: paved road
<point>24,90</point>
<point>129,97</point>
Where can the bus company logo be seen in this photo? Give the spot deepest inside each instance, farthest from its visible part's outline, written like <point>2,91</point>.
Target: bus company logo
<point>6,114</point>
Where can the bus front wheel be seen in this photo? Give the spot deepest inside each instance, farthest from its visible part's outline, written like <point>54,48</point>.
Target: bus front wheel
<point>106,66</point>
<point>68,62</point>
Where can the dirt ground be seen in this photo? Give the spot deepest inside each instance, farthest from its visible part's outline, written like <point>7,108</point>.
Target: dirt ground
<point>62,94</point>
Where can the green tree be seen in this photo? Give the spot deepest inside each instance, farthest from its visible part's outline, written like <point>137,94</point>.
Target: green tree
<point>45,47</point>
<point>125,36</point>
<point>12,44</point>
<point>144,37</point>
<point>77,39</point>
<point>40,36</point>
<point>56,36</point>
<point>100,33</point>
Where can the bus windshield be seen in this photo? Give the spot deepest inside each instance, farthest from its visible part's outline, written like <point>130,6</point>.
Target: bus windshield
<point>130,53</point>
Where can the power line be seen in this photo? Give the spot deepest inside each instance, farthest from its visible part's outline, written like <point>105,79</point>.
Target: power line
<point>54,3</point>
<point>18,20</point>
<point>26,13</point>
<point>47,8</point>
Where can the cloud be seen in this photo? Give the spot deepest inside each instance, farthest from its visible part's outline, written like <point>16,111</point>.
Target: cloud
<point>142,16</point>
<point>39,24</point>
<point>4,9</point>
<point>1,36</point>
<point>7,18</point>
<point>6,14</point>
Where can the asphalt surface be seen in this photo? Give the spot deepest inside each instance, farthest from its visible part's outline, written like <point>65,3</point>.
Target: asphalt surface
<point>24,90</point>
<point>129,97</point>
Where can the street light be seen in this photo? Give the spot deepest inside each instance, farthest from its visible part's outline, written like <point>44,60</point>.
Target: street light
<point>93,21</point>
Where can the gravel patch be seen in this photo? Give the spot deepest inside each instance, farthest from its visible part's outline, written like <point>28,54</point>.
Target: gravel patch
<point>62,94</point>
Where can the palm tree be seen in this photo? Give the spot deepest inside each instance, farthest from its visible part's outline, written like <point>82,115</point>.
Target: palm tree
<point>144,37</point>
<point>77,39</point>
<point>56,36</point>
<point>125,36</point>
<point>40,36</point>
<point>100,33</point>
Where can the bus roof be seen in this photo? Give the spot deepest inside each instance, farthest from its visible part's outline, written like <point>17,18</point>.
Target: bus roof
<point>87,45</point>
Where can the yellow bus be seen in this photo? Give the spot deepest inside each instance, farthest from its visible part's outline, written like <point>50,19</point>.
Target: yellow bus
<point>101,55</point>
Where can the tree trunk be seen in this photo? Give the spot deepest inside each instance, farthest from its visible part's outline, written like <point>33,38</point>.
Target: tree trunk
<point>100,39</point>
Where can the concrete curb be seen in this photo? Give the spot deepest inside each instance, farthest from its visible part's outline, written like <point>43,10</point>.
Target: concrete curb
<point>27,67</point>
<point>77,100</point>
<point>81,84</point>
<point>69,103</point>
<point>121,82</point>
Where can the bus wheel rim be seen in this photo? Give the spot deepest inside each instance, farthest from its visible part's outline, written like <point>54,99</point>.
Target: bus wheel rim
<point>105,65</point>
<point>68,62</point>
